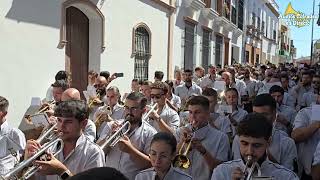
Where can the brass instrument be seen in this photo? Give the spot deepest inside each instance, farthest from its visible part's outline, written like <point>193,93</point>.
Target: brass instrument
<point>100,119</point>
<point>14,173</point>
<point>181,160</point>
<point>112,140</point>
<point>250,172</point>
<point>45,108</point>
<point>151,108</point>
<point>93,101</point>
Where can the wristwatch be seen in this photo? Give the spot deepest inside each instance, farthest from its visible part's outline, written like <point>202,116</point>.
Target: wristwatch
<point>65,175</point>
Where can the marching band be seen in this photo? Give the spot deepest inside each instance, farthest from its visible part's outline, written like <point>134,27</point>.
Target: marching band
<point>263,123</point>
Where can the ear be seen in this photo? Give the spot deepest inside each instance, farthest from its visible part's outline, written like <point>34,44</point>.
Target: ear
<point>269,141</point>
<point>83,124</point>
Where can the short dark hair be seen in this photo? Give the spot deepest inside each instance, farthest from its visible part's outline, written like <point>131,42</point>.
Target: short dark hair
<point>255,125</point>
<point>93,73</point>
<point>276,88</point>
<point>135,80</point>
<point>160,85</point>
<point>307,72</point>
<point>232,89</point>
<point>61,75</point>
<point>137,96</point>
<point>265,100</point>
<point>4,104</point>
<point>72,108</point>
<point>159,75</point>
<point>105,74</point>
<point>198,68</point>
<point>199,100</point>
<point>167,138</point>
<point>209,92</point>
<point>146,83</point>
<point>188,70</point>
<point>99,173</point>
<point>61,84</point>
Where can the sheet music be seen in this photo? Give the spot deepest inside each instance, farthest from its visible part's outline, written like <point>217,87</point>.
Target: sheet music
<point>219,85</point>
<point>225,109</point>
<point>315,112</point>
<point>40,120</point>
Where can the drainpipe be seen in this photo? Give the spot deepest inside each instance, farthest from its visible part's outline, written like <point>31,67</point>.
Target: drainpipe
<point>170,41</point>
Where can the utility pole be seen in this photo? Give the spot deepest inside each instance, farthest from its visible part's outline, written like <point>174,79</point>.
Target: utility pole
<point>311,53</point>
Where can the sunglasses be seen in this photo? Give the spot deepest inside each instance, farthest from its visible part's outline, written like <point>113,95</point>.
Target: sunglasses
<point>157,96</point>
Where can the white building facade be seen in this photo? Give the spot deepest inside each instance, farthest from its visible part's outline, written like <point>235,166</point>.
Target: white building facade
<point>207,32</point>
<point>261,32</point>
<point>42,37</point>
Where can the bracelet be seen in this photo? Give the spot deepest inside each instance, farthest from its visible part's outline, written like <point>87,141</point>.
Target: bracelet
<point>66,174</point>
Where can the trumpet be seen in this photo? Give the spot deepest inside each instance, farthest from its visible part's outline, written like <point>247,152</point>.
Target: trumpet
<point>93,101</point>
<point>181,160</point>
<point>47,134</point>
<point>250,172</point>
<point>112,140</point>
<point>100,119</point>
<point>14,173</point>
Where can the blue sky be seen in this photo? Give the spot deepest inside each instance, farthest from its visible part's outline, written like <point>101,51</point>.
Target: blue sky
<point>302,36</point>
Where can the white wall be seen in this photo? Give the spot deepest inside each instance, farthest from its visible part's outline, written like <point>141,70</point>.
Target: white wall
<point>120,19</point>
<point>29,33</point>
<point>29,58</point>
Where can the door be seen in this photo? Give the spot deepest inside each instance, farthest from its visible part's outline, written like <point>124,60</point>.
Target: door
<point>77,49</point>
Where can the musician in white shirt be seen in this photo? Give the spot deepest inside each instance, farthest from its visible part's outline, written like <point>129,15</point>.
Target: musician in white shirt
<point>162,153</point>
<point>78,153</point>
<point>12,140</point>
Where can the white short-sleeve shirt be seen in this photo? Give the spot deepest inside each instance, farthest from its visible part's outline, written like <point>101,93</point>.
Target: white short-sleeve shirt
<point>172,174</point>
<point>215,142</point>
<point>169,116</point>
<point>184,93</point>
<point>268,168</point>
<point>282,148</point>
<point>140,138</point>
<point>11,139</point>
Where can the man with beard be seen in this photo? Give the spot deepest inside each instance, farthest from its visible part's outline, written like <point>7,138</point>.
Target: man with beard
<point>129,156</point>
<point>96,100</point>
<point>254,135</point>
<point>312,97</point>
<point>208,80</point>
<point>187,89</point>
<point>304,86</point>
<point>282,149</point>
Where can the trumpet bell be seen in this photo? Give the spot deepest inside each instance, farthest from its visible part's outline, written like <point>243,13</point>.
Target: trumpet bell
<point>181,161</point>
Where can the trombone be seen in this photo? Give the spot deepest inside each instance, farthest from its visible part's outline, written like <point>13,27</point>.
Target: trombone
<point>151,108</point>
<point>14,173</point>
<point>112,140</point>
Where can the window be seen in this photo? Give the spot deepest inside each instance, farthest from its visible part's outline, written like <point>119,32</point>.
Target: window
<point>253,19</point>
<point>240,14</point>
<point>142,53</point>
<point>274,34</point>
<point>262,27</point>
<point>258,22</point>
<point>234,15</point>
<point>206,49</point>
<point>257,58</point>
<point>247,57</point>
<point>219,6</point>
<point>189,45</point>
<point>218,50</point>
